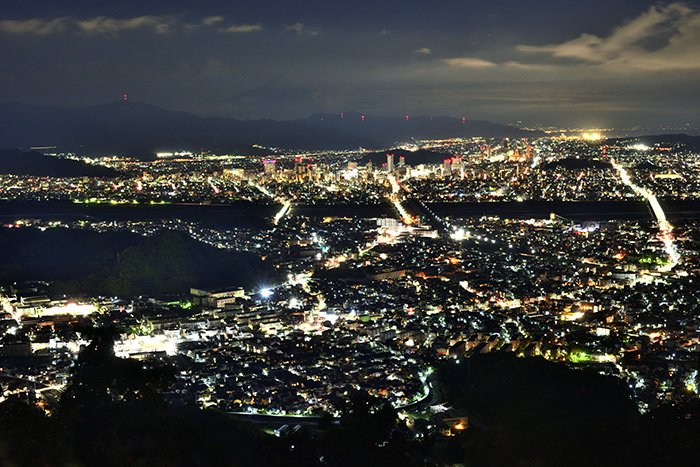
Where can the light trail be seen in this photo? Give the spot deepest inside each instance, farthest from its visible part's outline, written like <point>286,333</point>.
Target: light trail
<point>284,210</point>
<point>394,197</point>
<point>54,387</point>
<point>262,189</point>
<point>665,227</point>
<point>395,187</point>
<point>405,216</point>
<point>214,187</point>
<point>286,204</point>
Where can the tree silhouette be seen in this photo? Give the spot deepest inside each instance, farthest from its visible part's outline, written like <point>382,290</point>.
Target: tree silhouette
<point>368,434</point>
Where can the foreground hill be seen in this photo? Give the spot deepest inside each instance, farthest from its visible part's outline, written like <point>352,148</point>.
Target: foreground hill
<point>86,262</point>
<point>115,412</point>
<point>534,412</point>
<point>112,413</point>
<point>15,162</point>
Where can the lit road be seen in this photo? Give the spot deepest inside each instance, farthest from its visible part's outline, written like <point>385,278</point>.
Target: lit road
<point>665,227</point>
<point>395,198</point>
<point>286,204</point>
<point>276,421</point>
<point>284,210</point>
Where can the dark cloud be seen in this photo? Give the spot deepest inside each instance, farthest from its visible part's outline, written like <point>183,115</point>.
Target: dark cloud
<point>663,37</point>
<point>106,25</point>
<point>618,62</point>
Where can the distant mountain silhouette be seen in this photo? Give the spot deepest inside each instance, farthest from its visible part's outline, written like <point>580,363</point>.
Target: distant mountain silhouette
<point>139,128</point>
<point>15,162</point>
<point>392,129</point>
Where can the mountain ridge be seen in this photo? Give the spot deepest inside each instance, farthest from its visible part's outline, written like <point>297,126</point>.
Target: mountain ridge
<point>139,127</point>
<point>416,127</point>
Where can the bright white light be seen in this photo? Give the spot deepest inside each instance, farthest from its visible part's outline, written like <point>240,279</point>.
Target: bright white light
<point>459,235</point>
<point>170,347</point>
<point>350,174</point>
<point>73,309</point>
<point>639,147</point>
<point>123,348</point>
<point>266,293</point>
<point>332,317</point>
<point>592,136</point>
<point>286,207</point>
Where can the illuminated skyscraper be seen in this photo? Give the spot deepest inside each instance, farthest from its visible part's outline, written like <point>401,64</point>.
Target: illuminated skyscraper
<point>270,166</point>
<point>447,167</point>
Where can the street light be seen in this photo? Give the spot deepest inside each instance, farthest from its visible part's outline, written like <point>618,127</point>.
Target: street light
<point>266,292</point>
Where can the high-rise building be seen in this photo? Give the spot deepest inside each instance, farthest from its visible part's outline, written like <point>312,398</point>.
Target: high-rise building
<point>389,163</point>
<point>447,167</point>
<point>458,166</point>
<point>270,166</point>
<point>402,161</point>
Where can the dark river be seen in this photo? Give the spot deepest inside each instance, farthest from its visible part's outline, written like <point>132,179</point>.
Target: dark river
<point>246,214</point>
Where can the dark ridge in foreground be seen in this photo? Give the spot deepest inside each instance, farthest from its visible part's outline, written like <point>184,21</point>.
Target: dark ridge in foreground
<point>84,262</point>
<point>524,412</point>
<point>112,413</point>
<point>529,411</point>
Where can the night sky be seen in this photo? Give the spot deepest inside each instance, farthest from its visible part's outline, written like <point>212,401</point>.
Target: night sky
<point>567,62</point>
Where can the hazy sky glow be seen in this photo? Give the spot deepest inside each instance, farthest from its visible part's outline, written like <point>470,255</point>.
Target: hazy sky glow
<point>576,62</point>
